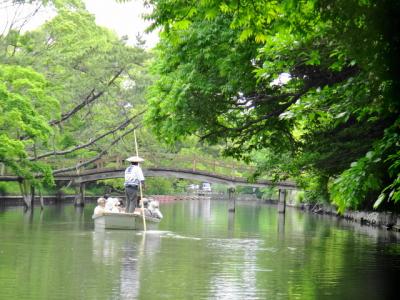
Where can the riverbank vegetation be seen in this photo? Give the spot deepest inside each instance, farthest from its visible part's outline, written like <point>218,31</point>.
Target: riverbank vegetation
<point>305,89</point>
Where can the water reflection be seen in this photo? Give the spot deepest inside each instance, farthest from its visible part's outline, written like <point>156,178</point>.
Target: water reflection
<point>200,252</point>
<point>378,234</point>
<point>281,225</point>
<point>200,208</point>
<point>130,251</point>
<point>28,216</point>
<point>130,269</point>
<point>231,223</point>
<point>235,276</point>
<point>104,248</point>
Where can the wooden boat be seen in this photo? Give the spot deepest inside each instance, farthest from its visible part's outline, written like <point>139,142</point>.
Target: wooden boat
<point>111,220</point>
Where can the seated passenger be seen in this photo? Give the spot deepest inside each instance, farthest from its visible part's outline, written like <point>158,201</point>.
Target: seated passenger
<point>152,208</point>
<point>121,206</point>
<point>118,206</point>
<point>111,203</point>
<point>100,208</point>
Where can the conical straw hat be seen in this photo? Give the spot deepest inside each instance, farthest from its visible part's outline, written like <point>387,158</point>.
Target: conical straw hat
<point>135,159</point>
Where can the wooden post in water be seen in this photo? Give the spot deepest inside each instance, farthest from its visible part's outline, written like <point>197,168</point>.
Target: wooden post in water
<point>231,199</point>
<point>282,201</point>
<point>80,195</point>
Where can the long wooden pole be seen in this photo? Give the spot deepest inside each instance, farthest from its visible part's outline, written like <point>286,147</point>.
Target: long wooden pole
<point>140,185</point>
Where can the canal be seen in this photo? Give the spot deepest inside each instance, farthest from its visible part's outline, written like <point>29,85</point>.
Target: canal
<point>200,251</point>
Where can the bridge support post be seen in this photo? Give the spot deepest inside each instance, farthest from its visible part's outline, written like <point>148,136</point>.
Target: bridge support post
<point>282,201</point>
<point>231,199</point>
<point>80,195</point>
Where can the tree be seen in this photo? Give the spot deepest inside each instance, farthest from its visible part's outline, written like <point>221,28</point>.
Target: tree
<point>25,107</point>
<point>292,77</point>
<point>72,63</point>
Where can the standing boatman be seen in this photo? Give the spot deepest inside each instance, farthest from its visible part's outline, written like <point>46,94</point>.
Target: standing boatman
<point>134,180</point>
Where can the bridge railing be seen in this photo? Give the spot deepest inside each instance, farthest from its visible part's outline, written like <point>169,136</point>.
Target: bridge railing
<point>226,167</point>
<point>185,161</point>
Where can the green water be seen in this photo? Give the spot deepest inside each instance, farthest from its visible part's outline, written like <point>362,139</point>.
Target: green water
<point>199,252</point>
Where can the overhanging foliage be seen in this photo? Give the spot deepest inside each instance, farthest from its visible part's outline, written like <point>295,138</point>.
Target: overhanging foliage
<point>314,81</point>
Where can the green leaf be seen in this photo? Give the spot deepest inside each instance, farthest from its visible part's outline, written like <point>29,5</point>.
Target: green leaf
<point>379,201</point>
<point>245,34</point>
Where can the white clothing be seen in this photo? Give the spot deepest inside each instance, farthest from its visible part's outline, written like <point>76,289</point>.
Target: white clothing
<point>115,209</point>
<point>133,175</point>
<point>111,203</point>
<point>98,211</point>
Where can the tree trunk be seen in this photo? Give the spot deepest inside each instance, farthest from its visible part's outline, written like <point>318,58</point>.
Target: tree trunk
<point>32,196</point>
<point>23,186</point>
<point>41,199</point>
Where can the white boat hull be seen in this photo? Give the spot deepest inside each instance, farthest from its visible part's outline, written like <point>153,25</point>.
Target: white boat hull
<point>124,221</point>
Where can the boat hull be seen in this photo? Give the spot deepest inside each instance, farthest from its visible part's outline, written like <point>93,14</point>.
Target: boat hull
<point>127,221</point>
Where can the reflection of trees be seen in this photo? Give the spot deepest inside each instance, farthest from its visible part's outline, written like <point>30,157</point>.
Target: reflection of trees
<point>249,217</point>
<point>242,257</point>
<point>200,208</point>
<point>47,257</point>
<point>237,269</point>
<point>205,265</point>
<point>317,259</point>
<point>176,214</point>
<point>50,255</point>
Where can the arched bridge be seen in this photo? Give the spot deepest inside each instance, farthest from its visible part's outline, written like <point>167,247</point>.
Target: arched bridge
<point>185,167</point>
<point>101,174</point>
<point>189,167</point>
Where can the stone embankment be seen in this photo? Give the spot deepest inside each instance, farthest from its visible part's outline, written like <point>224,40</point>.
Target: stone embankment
<point>388,220</point>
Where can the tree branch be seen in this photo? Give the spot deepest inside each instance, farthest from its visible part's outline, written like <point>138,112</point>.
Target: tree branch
<point>91,141</point>
<point>316,77</point>
<point>89,99</point>
<point>250,123</point>
<point>257,99</point>
<point>103,152</point>
<point>275,113</point>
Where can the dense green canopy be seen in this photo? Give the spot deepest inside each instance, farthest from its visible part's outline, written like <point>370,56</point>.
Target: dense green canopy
<point>25,107</point>
<point>70,92</point>
<point>307,89</point>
